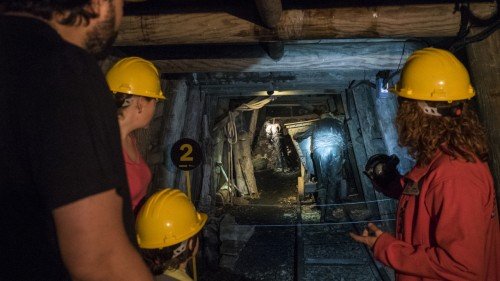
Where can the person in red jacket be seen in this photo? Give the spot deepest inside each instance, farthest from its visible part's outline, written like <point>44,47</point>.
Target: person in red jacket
<point>447,225</point>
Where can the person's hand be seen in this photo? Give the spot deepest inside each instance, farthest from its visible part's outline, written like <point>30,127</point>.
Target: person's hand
<point>369,235</point>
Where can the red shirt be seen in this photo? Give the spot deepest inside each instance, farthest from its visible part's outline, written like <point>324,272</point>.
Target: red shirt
<point>138,175</point>
<point>450,230</point>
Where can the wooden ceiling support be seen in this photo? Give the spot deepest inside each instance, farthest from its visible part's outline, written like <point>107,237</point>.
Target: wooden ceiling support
<point>270,12</point>
<point>275,50</point>
<point>304,57</point>
<point>431,20</point>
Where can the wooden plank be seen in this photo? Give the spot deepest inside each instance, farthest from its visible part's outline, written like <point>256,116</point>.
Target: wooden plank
<point>207,196</point>
<point>233,83</point>
<point>433,20</point>
<point>386,107</point>
<point>253,125</point>
<point>247,165</point>
<point>373,143</point>
<point>354,129</point>
<point>192,129</point>
<point>302,57</point>
<point>232,92</point>
<point>484,60</point>
<point>176,116</point>
<point>211,148</point>
<point>222,147</point>
<point>240,180</point>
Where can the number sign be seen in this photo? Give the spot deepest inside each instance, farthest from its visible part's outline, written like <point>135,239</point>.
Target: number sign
<point>186,154</point>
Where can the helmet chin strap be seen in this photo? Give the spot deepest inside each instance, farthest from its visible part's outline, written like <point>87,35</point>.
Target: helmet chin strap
<point>451,110</point>
<point>427,109</point>
<point>179,250</point>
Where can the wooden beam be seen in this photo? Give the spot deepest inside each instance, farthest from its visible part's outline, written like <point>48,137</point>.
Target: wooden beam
<point>372,139</point>
<point>275,50</point>
<point>237,93</point>
<point>386,107</point>
<point>270,11</point>
<point>433,20</point>
<point>360,158</point>
<point>484,63</point>
<point>176,115</point>
<point>241,84</point>
<point>304,57</point>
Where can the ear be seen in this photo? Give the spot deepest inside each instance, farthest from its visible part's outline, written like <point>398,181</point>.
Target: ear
<point>191,244</point>
<point>139,104</point>
<point>95,7</point>
<point>193,241</point>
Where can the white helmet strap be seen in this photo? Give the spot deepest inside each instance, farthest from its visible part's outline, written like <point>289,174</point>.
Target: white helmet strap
<point>428,109</point>
<point>179,250</point>
<point>454,109</point>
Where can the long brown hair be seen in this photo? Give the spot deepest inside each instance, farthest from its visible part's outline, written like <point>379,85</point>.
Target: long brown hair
<point>424,134</point>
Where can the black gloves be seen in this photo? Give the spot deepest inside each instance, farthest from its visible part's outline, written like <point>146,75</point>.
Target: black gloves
<point>381,169</point>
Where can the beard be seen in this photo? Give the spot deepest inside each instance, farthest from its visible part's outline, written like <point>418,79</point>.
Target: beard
<point>102,36</point>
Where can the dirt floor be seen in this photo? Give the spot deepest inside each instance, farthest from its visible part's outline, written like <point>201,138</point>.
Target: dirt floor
<point>269,252</point>
<point>262,243</point>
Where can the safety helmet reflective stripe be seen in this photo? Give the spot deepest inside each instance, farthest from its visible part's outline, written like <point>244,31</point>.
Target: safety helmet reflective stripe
<point>135,76</point>
<point>433,74</point>
<point>168,217</point>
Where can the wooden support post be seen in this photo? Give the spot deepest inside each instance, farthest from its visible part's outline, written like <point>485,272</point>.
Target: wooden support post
<point>208,189</point>
<point>176,116</point>
<point>484,60</point>
<point>359,150</point>
<point>222,147</point>
<point>373,142</point>
<point>240,180</point>
<point>247,166</point>
<point>386,107</point>
<point>275,50</point>
<point>269,11</point>
<point>192,129</point>
<point>253,125</point>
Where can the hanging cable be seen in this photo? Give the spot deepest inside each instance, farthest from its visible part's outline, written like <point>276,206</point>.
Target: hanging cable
<point>468,20</point>
<point>230,129</point>
<point>232,138</point>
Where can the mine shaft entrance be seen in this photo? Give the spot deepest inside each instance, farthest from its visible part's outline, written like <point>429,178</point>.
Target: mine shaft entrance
<point>280,233</point>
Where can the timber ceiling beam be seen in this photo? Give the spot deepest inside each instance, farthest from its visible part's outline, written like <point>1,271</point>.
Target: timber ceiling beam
<point>294,93</point>
<point>431,20</point>
<point>303,57</point>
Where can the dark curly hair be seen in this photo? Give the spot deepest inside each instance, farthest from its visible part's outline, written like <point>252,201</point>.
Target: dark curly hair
<point>424,134</point>
<point>77,14</point>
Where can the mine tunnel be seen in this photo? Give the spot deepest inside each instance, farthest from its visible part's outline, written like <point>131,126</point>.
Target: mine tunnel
<point>253,140</point>
<point>248,89</point>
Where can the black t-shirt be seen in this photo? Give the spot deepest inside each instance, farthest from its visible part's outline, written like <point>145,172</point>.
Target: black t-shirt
<point>59,142</point>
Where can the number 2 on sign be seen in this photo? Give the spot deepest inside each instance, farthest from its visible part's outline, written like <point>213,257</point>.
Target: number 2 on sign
<point>188,149</point>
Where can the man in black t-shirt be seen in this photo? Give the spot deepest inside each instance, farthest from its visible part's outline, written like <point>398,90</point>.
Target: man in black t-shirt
<point>65,203</point>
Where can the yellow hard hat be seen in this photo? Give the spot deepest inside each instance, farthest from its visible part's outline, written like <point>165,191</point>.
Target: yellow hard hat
<point>135,76</point>
<point>168,217</point>
<point>433,74</point>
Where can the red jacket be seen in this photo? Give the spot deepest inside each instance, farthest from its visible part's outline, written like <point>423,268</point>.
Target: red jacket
<point>450,229</point>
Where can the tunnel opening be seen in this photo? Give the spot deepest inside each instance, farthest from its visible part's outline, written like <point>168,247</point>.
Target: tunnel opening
<point>260,231</point>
